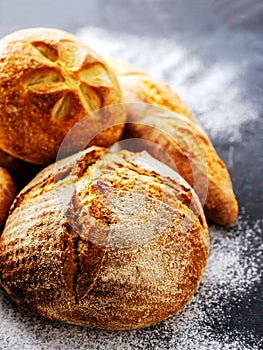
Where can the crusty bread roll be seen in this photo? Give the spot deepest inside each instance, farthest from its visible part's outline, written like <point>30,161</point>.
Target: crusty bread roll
<point>104,240</point>
<point>49,80</point>
<point>7,194</point>
<point>176,139</point>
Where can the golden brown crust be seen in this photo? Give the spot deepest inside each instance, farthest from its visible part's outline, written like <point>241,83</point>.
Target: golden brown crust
<point>176,139</point>
<point>103,240</point>
<point>49,80</point>
<point>7,194</point>
<point>138,86</point>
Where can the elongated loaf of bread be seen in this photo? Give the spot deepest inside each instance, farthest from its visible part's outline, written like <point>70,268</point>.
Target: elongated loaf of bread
<point>104,240</point>
<point>7,194</point>
<point>138,86</point>
<point>168,131</point>
<point>49,80</point>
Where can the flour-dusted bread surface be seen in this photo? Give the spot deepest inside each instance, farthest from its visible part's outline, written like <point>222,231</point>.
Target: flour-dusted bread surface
<point>170,133</point>
<point>49,80</point>
<point>104,240</point>
<point>7,194</point>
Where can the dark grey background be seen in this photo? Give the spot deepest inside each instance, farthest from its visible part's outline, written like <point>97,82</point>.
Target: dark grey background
<point>188,19</point>
<point>151,17</point>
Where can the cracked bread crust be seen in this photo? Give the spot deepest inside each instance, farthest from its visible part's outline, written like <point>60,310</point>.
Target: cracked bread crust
<point>177,139</point>
<point>7,194</point>
<point>104,240</point>
<point>49,80</point>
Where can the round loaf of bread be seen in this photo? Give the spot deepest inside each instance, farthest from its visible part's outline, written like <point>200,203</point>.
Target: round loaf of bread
<point>7,194</point>
<point>107,240</point>
<point>49,80</point>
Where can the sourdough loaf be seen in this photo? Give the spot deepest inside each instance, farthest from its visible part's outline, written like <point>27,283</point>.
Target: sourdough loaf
<point>49,80</point>
<point>104,240</point>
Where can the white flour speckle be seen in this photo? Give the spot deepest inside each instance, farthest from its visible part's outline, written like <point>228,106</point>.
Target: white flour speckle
<point>212,77</point>
<point>205,322</point>
<point>208,74</point>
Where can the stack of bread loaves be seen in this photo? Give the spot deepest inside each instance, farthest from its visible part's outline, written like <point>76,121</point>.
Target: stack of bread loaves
<point>115,240</point>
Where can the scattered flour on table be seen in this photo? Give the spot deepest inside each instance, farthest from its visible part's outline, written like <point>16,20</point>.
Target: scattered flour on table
<point>215,88</point>
<point>228,277</point>
<point>212,74</point>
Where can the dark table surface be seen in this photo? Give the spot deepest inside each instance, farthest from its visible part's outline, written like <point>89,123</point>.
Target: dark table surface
<point>217,47</point>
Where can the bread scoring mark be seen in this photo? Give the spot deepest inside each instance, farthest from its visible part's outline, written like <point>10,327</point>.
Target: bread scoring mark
<point>89,98</point>
<point>87,256</point>
<point>42,77</point>
<point>97,207</point>
<point>63,107</point>
<point>69,64</point>
<point>71,261</point>
<point>46,50</point>
<point>182,195</point>
<point>96,75</point>
<point>71,54</point>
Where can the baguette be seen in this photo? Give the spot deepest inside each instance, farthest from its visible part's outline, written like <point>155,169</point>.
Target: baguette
<point>138,86</point>
<point>104,240</point>
<point>167,130</point>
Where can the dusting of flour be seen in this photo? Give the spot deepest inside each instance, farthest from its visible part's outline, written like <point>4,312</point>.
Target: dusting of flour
<point>208,74</point>
<point>228,278</point>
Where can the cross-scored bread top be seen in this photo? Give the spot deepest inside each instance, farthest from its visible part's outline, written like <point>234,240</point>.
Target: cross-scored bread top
<point>48,81</point>
<point>109,240</point>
